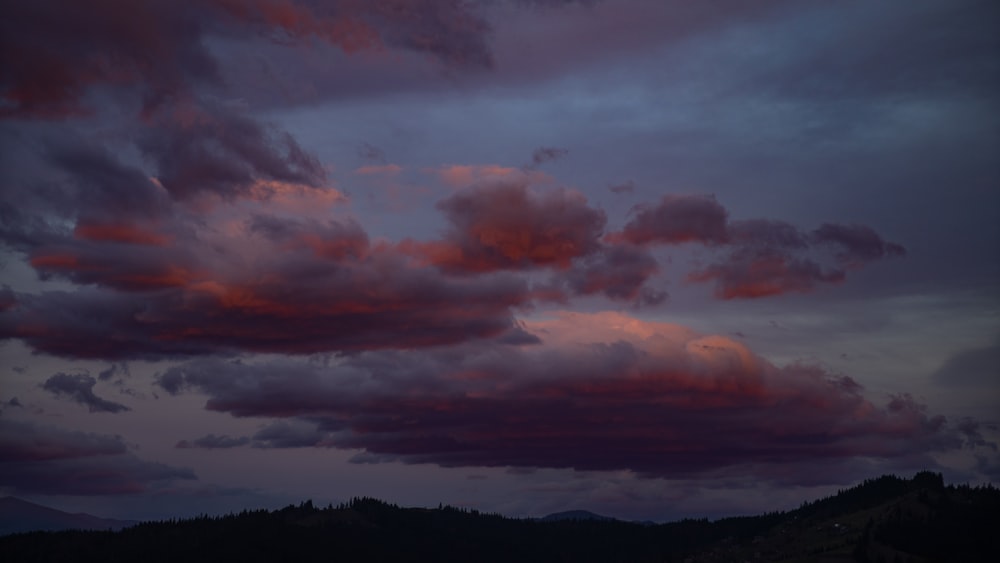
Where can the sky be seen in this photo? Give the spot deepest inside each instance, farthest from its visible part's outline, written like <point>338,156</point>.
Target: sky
<point>650,258</point>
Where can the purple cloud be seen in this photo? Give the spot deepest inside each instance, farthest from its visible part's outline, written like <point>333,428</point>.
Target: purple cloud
<point>47,460</point>
<point>80,389</point>
<point>605,392</point>
<point>677,219</point>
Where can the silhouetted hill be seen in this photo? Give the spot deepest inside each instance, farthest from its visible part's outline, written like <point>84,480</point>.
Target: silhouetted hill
<point>574,515</point>
<point>888,519</point>
<point>18,515</point>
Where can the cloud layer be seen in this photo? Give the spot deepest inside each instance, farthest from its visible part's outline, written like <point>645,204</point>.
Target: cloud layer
<point>47,460</point>
<point>602,392</point>
<point>350,223</point>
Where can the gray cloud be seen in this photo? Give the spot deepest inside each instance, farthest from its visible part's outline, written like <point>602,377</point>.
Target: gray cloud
<point>53,461</point>
<point>80,389</point>
<point>213,442</point>
<point>973,367</point>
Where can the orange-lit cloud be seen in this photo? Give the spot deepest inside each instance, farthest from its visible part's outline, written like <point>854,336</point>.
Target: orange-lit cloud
<point>465,175</point>
<point>508,226</point>
<point>118,232</point>
<point>600,392</point>
<point>750,275</point>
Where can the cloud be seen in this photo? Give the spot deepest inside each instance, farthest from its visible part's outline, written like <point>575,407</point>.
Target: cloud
<point>603,392</point>
<point>55,52</point>
<point>619,272</point>
<point>257,274</point>
<point>213,442</point>
<point>260,266</point>
<point>677,219</point>
<point>857,244</point>
<point>305,306</point>
<point>768,257</point>
<point>20,441</point>
<point>48,460</point>
<point>626,187</point>
<point>80,389</point>
<point>113,370</point>
<point>971,367</point>
<point>289,434</point>
<point>749,274</point>
<point>225,153</point>
<point>371,153</point>
<point>542,155</point>
<point>128,267</point>
<point>466,175</point>
<point>7,301</point>
<point>508,226</point>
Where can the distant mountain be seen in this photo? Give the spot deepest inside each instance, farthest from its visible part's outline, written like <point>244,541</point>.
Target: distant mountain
<point>18,515</point>
<point>574,515</point>
<point>888,519</point>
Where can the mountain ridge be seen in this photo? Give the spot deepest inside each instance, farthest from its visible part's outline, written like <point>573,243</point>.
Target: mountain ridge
<point>18,516</point>
<point>887,519</point>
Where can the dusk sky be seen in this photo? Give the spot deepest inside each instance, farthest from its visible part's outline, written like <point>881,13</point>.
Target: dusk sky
<point>649,258</point>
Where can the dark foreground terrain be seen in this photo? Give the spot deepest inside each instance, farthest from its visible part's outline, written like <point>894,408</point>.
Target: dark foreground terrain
<point>888,519</point>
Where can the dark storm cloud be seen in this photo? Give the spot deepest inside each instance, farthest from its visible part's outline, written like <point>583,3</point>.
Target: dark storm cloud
<point>48,460</point>
<point>655,399</point>
<point>80,388</point>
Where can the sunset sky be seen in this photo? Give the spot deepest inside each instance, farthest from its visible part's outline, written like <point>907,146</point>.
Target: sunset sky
<point>649,258</point>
